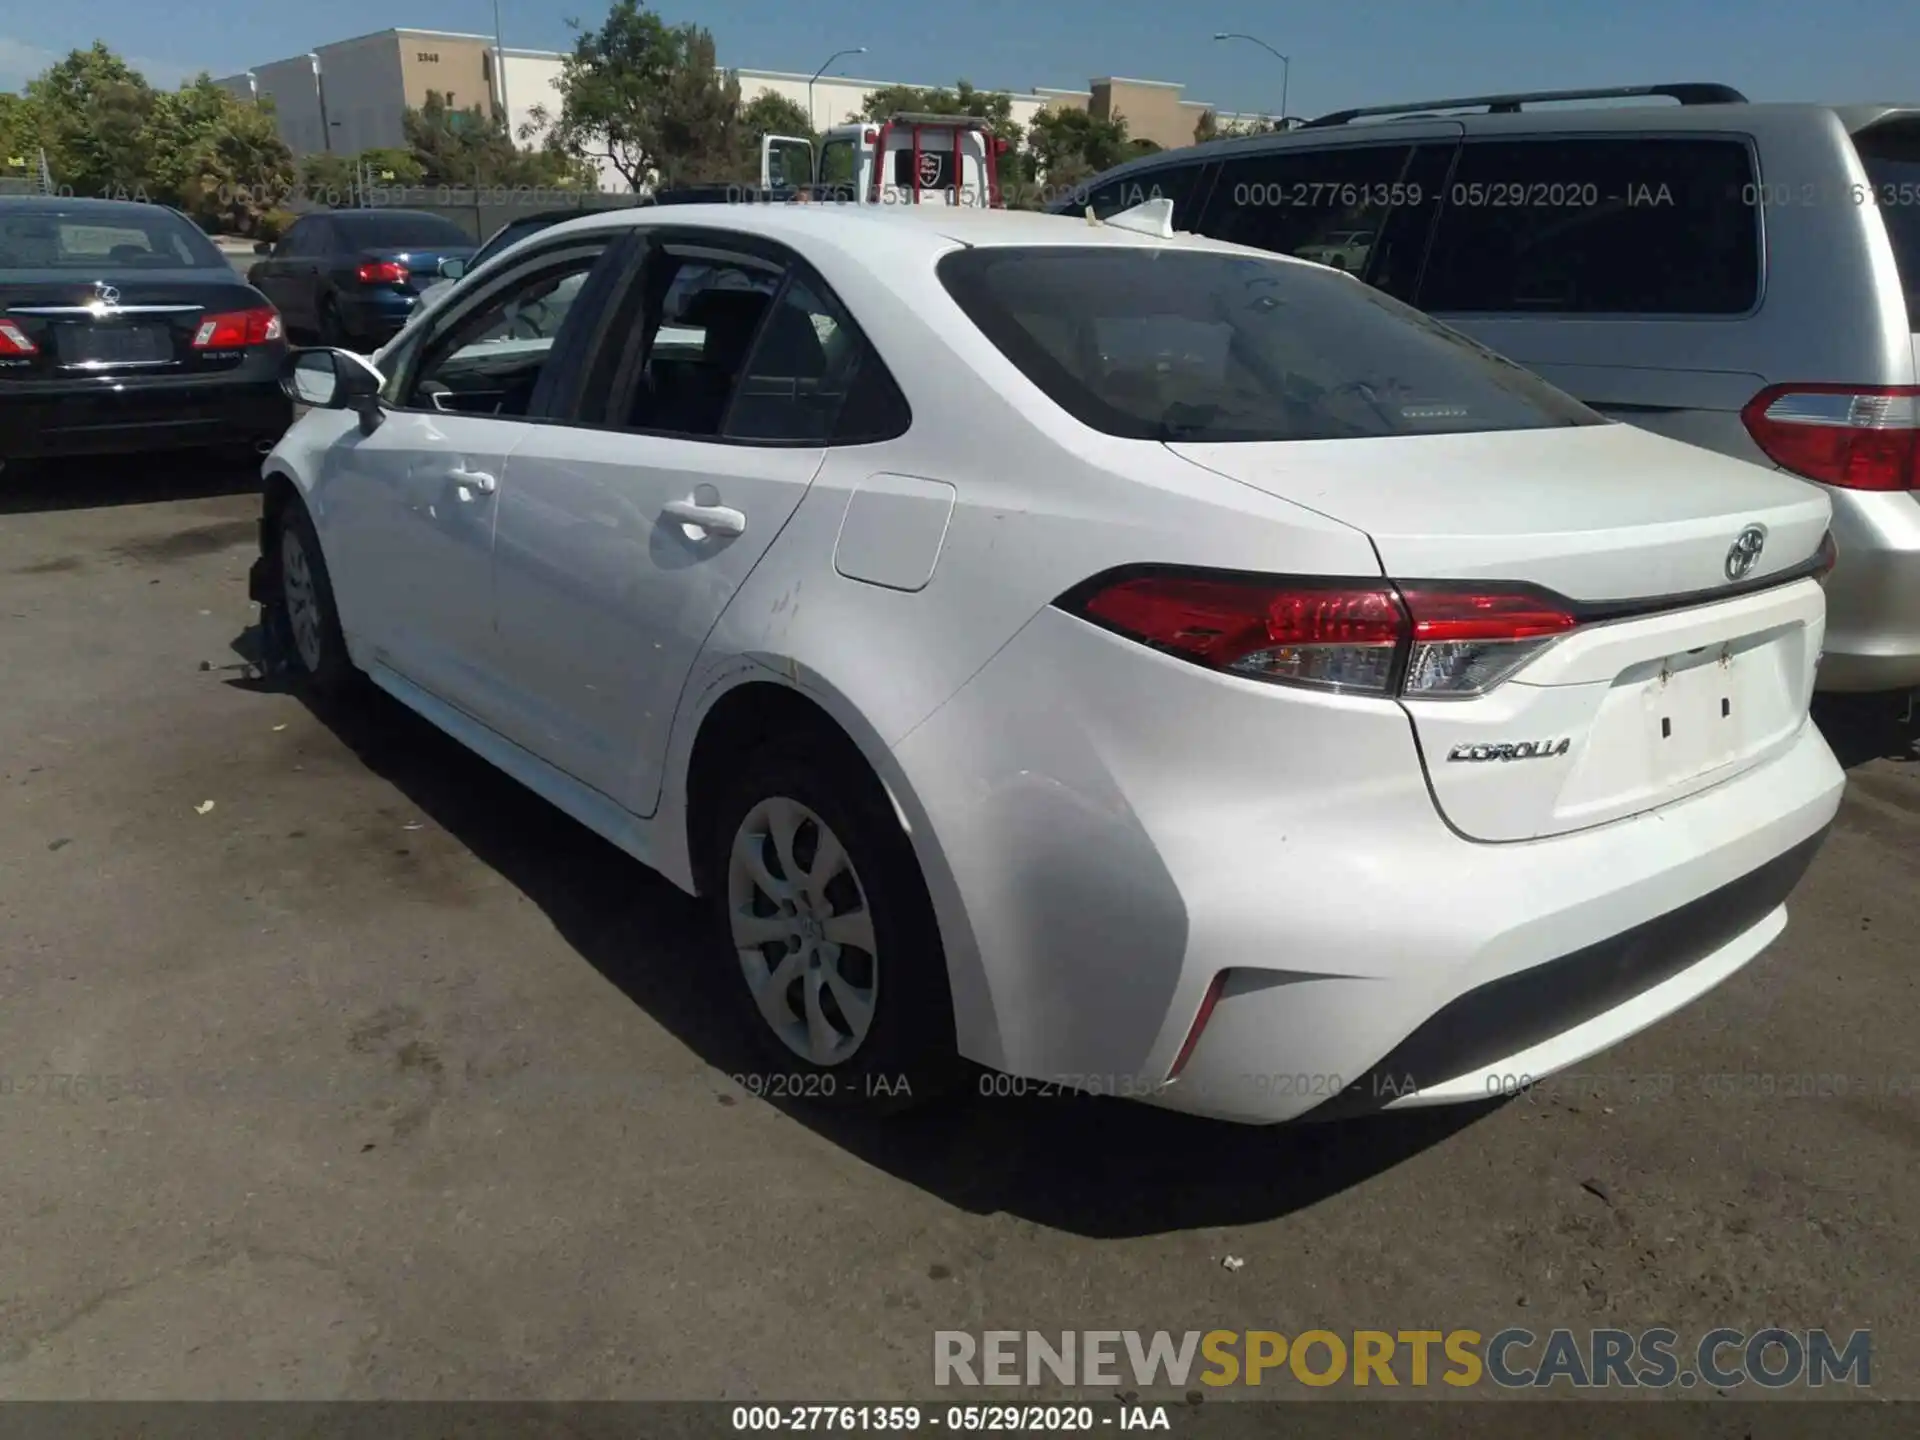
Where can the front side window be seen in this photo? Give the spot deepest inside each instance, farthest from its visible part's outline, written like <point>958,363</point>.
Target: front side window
<point>55,237</point>
<point>1170,344</point>
<point>1579,225</point>
<point>1175,183</point>
<point>488,360</point>
<point>836,163</point>
<point>1323,205</point>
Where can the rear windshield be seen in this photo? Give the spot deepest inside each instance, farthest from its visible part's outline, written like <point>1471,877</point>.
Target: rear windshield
<point>1157,344</point>
<point>84,238</point>
<point>397,232</point>
<point>1891,155</point>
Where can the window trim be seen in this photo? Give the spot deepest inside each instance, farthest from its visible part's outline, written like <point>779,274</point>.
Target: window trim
<point>729,247</point>
<point>1748,142</point>
<point>598,243</point>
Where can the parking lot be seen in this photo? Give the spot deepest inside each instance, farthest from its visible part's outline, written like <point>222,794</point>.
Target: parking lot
<point>338,1065</point>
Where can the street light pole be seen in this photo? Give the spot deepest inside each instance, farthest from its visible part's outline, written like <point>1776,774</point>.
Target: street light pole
<point>500,70</point>
<point>813,120</point>
<point>1286,64</point>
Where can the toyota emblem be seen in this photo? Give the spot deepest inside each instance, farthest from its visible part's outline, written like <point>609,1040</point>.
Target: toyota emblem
<point>1744,553</point>
<point>108,294</point>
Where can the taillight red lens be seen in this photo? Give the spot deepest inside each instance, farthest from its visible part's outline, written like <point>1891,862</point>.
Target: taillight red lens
<point>15,341</point>
<point>1465,642</point>
<point>1331,638</point>
<point>236,329</point>
<point>1856,437</point>
<point>1200,1018</point>
<point>382,272</point>
<point>1423,642</point>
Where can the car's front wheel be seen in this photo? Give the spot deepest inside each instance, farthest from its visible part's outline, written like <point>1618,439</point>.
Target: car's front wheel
<point>832,951</point>
<point>311,623</point>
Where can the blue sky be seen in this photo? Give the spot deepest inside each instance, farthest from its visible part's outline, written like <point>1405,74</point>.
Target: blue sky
<point>1343,54</point>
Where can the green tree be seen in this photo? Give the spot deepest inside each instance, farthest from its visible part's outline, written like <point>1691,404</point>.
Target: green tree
<point>470,147</point>
<point>1206,128</point>
<point>1070,146</point>
<point>390,167</point>
<point>329,179</point>
<point>241,170</point>
<point>648,99</point>
<point>94,110</point>
<point>19,135</point>
<point>769,114</point>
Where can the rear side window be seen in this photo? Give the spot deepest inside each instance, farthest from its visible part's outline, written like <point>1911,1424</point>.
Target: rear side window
<point>1195,345</point>
<point>1597,226</point>
<point>1890,154</point>
<point>398,231</point>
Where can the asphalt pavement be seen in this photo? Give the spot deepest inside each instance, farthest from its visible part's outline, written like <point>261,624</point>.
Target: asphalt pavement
<point>336,1065</point>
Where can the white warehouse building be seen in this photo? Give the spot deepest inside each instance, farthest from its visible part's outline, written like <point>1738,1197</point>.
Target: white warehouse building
<point>352,95</point>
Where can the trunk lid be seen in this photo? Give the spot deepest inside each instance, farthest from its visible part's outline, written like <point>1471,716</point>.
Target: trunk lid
<point>1676,678</point>
<point>421,262</point>
<point>118,324</point>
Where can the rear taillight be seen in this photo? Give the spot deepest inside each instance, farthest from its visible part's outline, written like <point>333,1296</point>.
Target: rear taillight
<point>1854,436</point>
<point>1465,642</point>
<point>1200,1018</point>
<point>14,340</point>
<point>1420,641</point>
<point>382,272</point>
<point>235,329</point>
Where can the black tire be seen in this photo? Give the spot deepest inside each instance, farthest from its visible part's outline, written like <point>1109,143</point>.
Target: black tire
<point>907,1056</point>
<point>328,672</point>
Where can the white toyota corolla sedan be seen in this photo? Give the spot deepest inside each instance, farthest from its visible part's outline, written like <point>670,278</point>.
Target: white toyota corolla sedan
<point>1120,659</point>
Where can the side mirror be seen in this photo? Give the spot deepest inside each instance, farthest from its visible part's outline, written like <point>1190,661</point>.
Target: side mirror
<point>452,268</point>
<point>334,380</point>
<point>263,247</point>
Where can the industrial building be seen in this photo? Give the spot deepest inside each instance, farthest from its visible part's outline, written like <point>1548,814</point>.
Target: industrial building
<point>352,95</point>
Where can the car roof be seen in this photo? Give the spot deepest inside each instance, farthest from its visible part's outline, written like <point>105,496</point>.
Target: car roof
<point>894,232</point>
<point>1562,119</point>
<point>82,205</point>
<point>364,212</point>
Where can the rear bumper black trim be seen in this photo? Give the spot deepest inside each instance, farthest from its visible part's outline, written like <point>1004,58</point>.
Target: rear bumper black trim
<point>1506,1016</point>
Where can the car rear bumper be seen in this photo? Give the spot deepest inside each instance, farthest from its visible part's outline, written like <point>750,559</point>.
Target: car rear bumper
<point>376,315</point>
<point>99,419</point>
<point>1873,595</point>
<point>1112,830</point>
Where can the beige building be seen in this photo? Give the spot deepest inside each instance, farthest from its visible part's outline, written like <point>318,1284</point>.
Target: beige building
<point>352,95</point>
<point>1153,109</point>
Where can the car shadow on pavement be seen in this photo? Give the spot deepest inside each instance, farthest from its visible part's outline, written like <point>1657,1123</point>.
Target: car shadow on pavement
<point>1097,1167</point>
<point>1862,728</point>
<point>94,482</point>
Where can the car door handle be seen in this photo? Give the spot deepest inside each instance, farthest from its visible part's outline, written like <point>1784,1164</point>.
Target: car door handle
<point>472,482</point>
<point>714,519</point>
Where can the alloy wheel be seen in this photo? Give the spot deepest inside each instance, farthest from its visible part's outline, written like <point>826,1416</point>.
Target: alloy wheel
<point>302,600</point>
<point>803,931</point>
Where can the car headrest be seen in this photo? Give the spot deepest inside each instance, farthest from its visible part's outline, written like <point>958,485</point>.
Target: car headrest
<point>730,318</point>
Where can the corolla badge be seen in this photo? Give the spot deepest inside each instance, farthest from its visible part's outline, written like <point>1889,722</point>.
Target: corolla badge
<point>1514,750</point>
<point>107,294</point>
<point>1744,553</point>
